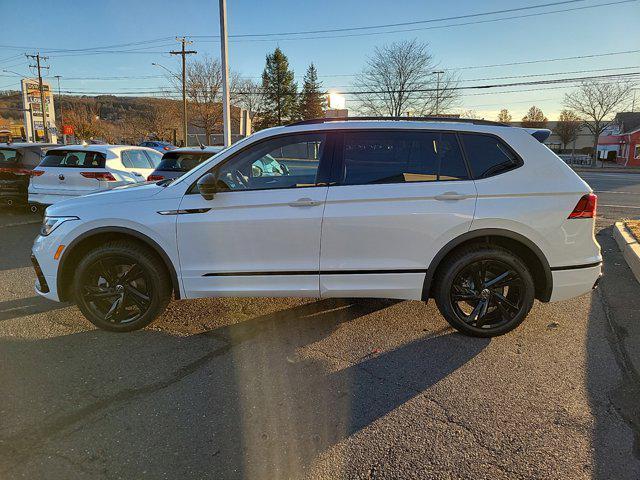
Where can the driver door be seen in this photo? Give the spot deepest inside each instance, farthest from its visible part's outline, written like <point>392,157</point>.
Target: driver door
<point>260,234</point>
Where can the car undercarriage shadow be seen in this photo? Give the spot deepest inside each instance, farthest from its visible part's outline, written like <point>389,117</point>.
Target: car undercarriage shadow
<point>255,399</point>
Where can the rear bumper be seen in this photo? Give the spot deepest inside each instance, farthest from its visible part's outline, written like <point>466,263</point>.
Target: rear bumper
<point>574,282</point>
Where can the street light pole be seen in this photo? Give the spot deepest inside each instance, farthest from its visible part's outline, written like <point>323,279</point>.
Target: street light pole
<point>226,120</point>
<point>64,136</point>
<point>183,52</point>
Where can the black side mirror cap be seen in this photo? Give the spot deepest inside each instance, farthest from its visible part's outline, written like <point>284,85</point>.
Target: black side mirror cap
<point>208,186</point>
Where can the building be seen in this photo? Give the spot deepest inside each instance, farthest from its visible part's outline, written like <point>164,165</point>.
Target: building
<point>583,142</point>
<point>620,142</point>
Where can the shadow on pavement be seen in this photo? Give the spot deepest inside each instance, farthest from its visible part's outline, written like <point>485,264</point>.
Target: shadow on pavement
<point>256,399</point>
<point>27,306</point>
<point>613,385</point>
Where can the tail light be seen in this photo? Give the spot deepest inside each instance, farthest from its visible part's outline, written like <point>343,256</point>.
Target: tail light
<point>154,178</point>
<point>586,207</point>
<point>37,173</point>
<point>104,176</point>
<point>166,148</point>
<point>17,171</point>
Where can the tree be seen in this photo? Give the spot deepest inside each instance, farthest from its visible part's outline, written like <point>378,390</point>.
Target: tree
<point>597,102</point>
<point>399,79</point>
<point>534,118</point>
<point>204,93</point>
<point>248,94</point>
<point>280,91</point>
<point>568,126</point>
<point>504,116</point>
<point>312,99</point>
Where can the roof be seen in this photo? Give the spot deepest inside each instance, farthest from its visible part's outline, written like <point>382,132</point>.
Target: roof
<point>206,148</point>
<point>101,147</point>
<point>628,121</point>
<point>28,145</point>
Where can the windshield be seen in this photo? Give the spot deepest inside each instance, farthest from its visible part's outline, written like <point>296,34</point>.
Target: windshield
<point>182,161</point>
<point>8,156</point>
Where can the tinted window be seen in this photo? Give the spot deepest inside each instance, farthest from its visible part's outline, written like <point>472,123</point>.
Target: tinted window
<point>399,157</point>
<point>284,162</point>
<point>182,161</point>
<point>8,156</point>
<point>135,159</point>
<point>487,155</point>
<point>73,159</point>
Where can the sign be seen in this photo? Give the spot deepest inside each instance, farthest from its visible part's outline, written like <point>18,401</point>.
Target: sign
<point>67,130</point>
<point>33,117</point>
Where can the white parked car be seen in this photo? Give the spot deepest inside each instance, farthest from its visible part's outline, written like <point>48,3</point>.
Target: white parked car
<point>75,170</point>
<point>480,216</point>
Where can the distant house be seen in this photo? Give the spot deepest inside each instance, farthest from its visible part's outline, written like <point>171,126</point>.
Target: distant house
<point>620,142</point>
<point>583,142</point>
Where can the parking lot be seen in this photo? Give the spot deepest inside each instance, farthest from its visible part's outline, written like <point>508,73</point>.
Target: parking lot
<point>287,388</point>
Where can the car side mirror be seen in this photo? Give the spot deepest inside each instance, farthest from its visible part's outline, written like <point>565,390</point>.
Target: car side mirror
<point>208,186</point>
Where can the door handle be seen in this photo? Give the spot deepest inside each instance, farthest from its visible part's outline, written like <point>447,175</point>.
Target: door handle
<point>451,196</point>
<point>304,202</point>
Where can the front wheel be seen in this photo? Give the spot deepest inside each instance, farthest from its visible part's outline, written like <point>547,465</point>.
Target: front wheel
<point>121,286</point>
<point>484,291</point>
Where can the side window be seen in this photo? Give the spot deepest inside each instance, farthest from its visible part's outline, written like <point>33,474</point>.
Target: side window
<point>284,162</point>
<point>400,157</point>
<point>487,155</point>
<point>153,157</point>
<point>135,159</point>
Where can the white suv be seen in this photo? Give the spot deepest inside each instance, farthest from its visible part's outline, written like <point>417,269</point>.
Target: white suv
<point>74,170</point>
<point>480,216</point>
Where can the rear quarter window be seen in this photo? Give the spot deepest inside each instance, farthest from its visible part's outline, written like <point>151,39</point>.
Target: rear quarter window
<point>488,155</point>
<point>73,159</point>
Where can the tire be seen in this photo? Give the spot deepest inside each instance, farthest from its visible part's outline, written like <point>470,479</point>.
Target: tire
<point>121,286</point>
<point>484,291</point>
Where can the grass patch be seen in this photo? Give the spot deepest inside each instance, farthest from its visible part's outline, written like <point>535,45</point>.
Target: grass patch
<point>634,228</point>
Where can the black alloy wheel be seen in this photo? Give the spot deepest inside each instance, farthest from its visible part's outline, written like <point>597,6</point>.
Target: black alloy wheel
<point>121,286</point>
<point>484,291</point>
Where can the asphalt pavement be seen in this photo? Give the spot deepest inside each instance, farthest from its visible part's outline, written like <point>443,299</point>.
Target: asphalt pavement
<point>287,388</point>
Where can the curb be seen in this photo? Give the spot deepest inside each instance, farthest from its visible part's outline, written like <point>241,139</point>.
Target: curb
<point>629,247</point>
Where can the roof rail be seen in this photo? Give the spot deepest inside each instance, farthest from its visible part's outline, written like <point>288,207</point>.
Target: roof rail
<point>473,121</point>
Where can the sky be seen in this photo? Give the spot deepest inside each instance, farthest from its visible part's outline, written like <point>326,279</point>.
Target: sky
<point>465,45</point>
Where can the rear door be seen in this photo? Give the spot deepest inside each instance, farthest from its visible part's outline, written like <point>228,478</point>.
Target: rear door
<point>399,196</point>
<point>69,172</point>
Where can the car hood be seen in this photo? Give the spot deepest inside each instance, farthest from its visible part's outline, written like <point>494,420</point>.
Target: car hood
<point>128,193</point>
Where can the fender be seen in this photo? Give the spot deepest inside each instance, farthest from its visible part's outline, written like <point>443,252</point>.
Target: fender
<point>488,232</point>
<point>140,236</point>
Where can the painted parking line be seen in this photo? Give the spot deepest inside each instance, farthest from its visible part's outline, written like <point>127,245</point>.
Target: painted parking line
<point>635,207</point>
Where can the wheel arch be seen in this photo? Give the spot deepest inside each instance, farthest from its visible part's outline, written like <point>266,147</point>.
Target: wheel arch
<point>520,245</point>
<point>90,238</point>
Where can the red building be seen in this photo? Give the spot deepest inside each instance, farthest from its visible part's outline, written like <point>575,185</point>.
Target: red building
<point>621,142</point>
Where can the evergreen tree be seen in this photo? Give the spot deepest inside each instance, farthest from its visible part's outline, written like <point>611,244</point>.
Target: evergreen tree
<point>312,100</point>
<point>280,91</point>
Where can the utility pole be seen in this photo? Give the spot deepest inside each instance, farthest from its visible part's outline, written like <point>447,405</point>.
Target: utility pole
<point>184,52</point>
<point>226,120</point>
<point>42,98</point>
<point>438,73</point>
<point>64,137</point>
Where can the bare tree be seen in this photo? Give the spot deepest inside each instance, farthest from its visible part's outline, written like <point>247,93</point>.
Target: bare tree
<point>249,95</point>
<point>504,116</point>
<point>597,102</point>
<point>568,126</point>
<point>399,79</point>
<point>534,118</point>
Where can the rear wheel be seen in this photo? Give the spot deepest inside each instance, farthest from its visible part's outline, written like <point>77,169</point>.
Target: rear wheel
<point>121,286</point>
<point>484,291</point>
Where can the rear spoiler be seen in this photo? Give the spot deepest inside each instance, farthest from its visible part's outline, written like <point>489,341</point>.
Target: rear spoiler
<point>540,134</point>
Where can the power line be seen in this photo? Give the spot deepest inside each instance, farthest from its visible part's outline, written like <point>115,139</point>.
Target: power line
<point>512,17</point>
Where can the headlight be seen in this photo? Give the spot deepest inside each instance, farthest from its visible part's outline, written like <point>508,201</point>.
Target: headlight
<point>49,224</point>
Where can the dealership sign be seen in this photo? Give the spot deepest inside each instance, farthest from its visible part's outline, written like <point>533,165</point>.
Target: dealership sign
<point>32,104</point>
